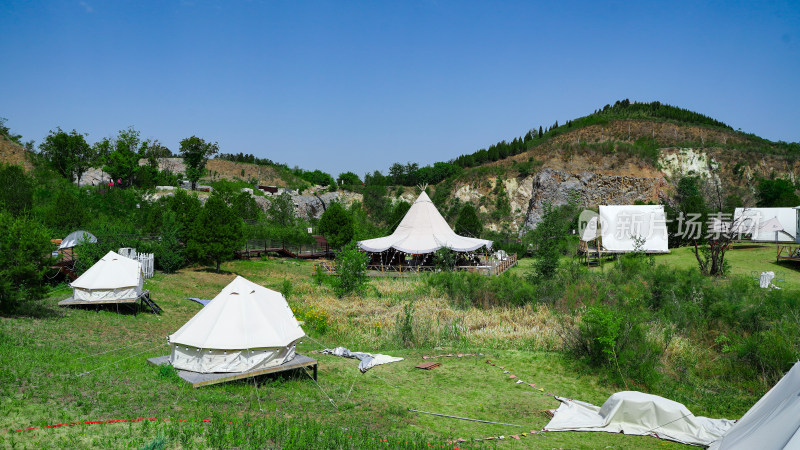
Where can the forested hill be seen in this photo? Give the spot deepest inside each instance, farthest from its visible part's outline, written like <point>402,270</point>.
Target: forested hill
<point>410,174</point>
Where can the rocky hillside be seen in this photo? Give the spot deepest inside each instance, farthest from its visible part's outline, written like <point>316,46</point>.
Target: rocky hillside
<point>621,162</point>
<point>13,153</point>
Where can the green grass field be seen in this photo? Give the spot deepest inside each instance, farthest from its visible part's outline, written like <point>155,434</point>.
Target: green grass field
<point>78,365</point>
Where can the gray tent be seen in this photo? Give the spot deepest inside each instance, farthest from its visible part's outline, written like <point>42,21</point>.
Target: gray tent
<point>75,238</point>
<point>773,422</point>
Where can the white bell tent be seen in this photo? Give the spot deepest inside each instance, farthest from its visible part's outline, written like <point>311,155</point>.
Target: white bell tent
<point>245,327</point>
<point>113,278</point>
<point>423,230</point>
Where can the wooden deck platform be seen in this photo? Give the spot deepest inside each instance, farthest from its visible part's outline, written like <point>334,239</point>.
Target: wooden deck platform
<point>204,379</point>
<point>143,298</point>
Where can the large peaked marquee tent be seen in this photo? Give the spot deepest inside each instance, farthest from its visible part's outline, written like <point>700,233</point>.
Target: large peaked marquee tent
<point>245,327</point>
<point>423,230</point>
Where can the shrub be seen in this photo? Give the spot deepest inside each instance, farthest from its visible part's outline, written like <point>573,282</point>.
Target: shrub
<point>351,268</point>
<point>616,339</point>
<point>24,246</point>
<point>405,326</point>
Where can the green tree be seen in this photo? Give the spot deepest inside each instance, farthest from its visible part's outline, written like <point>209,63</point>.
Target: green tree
<point>468,223</point>
<point>548,237</point>
<point>336,225</point>
<point>399,211</point>
<point>67,153</point>
<point>195,152</point>
<point>121,155</point>
<point>348,179</point>
<point>16,190</point>
<point>777,193</point>
<point>691,206</point>
<point>169,254</point>
<point>217,233</point>
<point>187,208</point>
<point>245,206</point>
<point>24,246</point>
<point>281,210</point>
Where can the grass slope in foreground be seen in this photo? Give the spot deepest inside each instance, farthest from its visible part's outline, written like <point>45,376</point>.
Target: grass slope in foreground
<point>56,371</point>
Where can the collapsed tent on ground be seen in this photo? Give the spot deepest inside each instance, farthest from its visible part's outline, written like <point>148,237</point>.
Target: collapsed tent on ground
<point>766,224</point>
<point>421,232</point>
<point>76,238</point>
<point>245,327</point>
<point>111,279</point>
<point>627,228</point>
<point>639,414</point>
<point>773,422</point>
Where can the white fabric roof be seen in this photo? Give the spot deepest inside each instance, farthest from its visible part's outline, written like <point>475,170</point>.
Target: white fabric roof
<point>641,414</point>
<point>590,231</point>
<point>750,220</point>
<point>74,238</point>
<point>243,315</point>
<point>619,224</point>
<point>423,230</point>
<point>773,422</point>
<point>112,271</point>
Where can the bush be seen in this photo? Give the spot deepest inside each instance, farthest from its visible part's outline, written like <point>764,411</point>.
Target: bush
<point>616,340</point>
<point>405,326</point>
<point>351,268</point>
<point>24,254</point>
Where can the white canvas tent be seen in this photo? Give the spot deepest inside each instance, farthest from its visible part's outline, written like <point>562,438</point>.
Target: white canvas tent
<point>423,230</point>
<point>751,221</point>
<point>620,224</point>
<point>245,327</point>
<point>641,414</point>
<point>773,422</point>
<point>75,238</point>
<point>111,279</point>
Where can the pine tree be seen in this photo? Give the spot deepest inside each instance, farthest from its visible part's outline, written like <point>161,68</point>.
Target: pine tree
<point>217,232</point>
<point>337,226</point>
<point>468,223</point>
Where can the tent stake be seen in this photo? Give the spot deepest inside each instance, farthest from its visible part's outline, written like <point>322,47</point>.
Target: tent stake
<point>465,418</point>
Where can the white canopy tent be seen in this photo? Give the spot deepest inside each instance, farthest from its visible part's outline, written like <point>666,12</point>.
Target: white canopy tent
<point>245,327</point>
<point>75,238</point>
<point>111,279</point>
<point>423,230</point>
<point>773,422</point>
<point>758,223</point>
<point>641,414</point>
<point>621,224</point>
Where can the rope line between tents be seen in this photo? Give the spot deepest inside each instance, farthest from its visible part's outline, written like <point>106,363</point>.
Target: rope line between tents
<point>112,350</point>
<point>320,388</point>
<point>117,361</point>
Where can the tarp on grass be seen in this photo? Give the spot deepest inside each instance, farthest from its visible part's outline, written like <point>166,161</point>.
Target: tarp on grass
<point>641,414</point>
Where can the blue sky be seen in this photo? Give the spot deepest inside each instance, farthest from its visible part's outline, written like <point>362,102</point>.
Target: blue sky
<point>349,85</point>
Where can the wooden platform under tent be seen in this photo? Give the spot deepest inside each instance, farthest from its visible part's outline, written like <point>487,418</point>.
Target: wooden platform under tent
<point>142,300</point>
<point>197,379</point>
